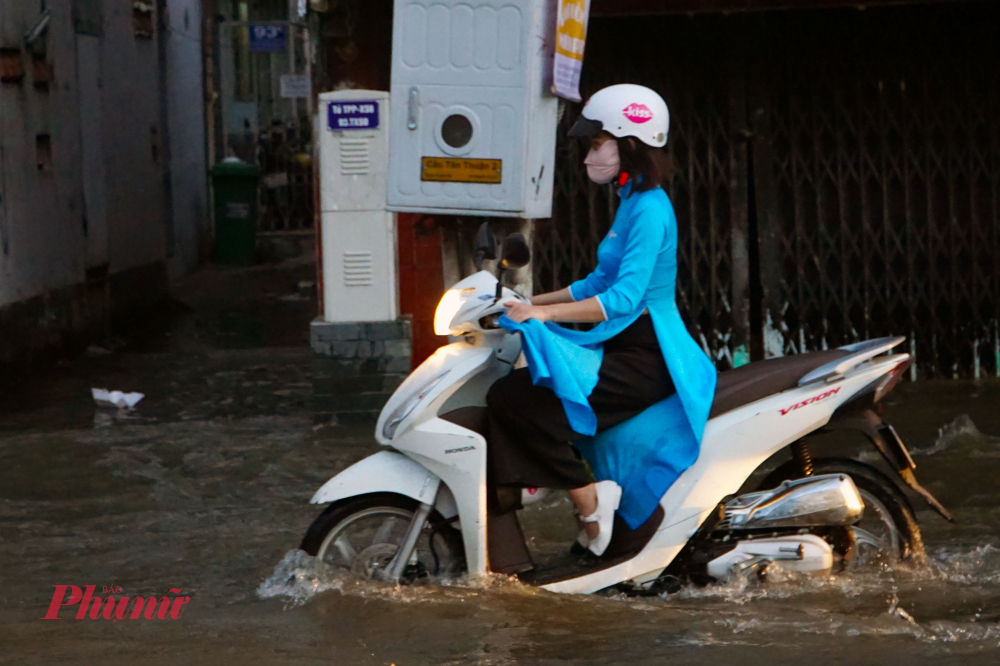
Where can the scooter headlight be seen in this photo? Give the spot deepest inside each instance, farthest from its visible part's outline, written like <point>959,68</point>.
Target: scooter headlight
<point>403,410</point>
<point>449,306</point>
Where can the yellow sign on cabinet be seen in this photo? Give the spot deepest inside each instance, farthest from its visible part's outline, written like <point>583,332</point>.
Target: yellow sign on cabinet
<point>460,170</point>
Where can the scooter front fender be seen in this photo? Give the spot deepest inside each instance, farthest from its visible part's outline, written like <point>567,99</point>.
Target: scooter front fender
<point>454,363</point>
<point>388,472</point>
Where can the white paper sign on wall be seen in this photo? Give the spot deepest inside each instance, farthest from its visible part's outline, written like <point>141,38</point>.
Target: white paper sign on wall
<point>295,86</point>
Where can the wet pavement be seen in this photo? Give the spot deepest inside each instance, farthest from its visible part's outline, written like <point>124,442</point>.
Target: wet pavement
<point>206,486</point>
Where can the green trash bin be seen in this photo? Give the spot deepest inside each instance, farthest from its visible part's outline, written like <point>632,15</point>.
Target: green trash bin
<point>235,186</point>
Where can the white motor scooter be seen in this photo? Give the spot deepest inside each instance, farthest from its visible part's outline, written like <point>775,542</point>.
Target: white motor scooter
<point>422,507</point>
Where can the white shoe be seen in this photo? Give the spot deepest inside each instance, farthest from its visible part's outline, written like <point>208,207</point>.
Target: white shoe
<point>609,494</point>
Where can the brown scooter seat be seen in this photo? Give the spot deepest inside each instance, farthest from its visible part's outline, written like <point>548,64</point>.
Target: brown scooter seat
<point>755,381</point>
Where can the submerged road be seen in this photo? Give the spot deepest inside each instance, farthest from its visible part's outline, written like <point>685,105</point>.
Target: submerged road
<point>205,488</point>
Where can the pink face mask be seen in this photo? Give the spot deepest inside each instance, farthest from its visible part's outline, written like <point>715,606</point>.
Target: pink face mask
<point>604,163</point>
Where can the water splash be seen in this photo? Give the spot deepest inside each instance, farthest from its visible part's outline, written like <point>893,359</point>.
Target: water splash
<point>299,577</point>
<point>962,427</point>
<point>978,566</point>
<point>781,584</point>
<point>895,610</point>
<point>954,632</point>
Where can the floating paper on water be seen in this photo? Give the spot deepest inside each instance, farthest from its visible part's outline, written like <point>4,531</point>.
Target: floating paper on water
<point>106,398</point>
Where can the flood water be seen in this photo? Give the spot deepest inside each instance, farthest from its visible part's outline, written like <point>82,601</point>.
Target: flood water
<point>206,485</point>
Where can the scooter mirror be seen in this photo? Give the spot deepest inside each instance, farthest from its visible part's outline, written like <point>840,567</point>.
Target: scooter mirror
<point>485,247</point>
<point>515,252</point>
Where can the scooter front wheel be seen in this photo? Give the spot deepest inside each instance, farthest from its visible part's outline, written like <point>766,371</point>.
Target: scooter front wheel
<point>362,535</point>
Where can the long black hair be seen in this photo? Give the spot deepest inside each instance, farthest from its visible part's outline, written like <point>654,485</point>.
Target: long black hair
<point>648,167</point>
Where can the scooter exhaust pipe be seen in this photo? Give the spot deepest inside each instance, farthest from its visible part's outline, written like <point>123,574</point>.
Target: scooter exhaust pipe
<point>828,500</point>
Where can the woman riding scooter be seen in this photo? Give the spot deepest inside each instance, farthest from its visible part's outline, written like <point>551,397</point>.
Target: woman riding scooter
<point>571,390</point>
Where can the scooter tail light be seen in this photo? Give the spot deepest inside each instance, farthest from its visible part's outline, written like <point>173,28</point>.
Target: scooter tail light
<point>889,382</point>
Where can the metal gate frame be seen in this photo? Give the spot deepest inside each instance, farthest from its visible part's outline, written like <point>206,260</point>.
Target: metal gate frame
<point>837,179</point>
<point>877,163</point>
<point>708,189</point>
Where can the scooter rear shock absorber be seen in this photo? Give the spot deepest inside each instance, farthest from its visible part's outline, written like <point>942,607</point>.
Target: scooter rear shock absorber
<point>800,450</point>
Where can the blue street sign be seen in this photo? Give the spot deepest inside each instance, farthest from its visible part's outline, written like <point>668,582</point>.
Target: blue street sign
<point>266,37</point>
<point>352,115</point>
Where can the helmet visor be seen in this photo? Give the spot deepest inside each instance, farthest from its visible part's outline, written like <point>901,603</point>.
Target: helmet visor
<point>585,127</point>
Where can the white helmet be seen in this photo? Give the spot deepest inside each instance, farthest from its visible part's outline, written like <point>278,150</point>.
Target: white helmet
<point>625,110</point>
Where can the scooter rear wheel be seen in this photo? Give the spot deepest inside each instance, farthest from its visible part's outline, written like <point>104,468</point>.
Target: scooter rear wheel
<point>362,535</point>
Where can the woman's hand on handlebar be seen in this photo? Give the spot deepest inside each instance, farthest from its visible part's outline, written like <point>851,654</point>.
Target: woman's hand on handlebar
<point>520,312</point>
<point>589,310</point>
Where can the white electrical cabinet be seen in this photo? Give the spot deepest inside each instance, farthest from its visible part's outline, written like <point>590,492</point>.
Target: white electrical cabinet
<point>358,233</point>
<point>473,125</point>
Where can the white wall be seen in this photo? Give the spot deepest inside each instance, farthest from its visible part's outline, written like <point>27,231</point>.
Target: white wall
<point>41,213</point>
<point>186,112</point>
<point>42,226</point>
<point>131,106</point>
